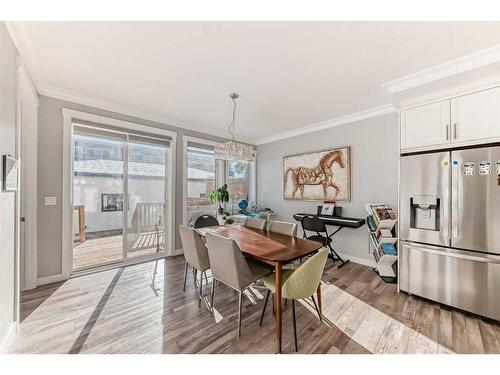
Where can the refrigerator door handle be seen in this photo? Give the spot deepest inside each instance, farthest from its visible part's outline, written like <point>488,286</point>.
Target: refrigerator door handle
<point>446,200</point>
<point>454,200</point>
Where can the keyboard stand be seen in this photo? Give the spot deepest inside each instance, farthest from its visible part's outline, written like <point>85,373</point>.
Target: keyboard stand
<point>344,262</point>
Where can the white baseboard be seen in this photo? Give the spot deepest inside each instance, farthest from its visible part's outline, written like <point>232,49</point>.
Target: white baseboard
<point>51,279</point>
<point>363,261</point>
<point>9,336</point>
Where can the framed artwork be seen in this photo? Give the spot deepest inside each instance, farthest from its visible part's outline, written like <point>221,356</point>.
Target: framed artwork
<point>9,175</point>
<point>111,202</point>
<point>318,176</point>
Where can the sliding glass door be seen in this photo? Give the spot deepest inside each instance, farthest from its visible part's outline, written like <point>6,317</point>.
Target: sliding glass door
<point>98,191</point>
<point>120,186</point>
<point>147,193</point>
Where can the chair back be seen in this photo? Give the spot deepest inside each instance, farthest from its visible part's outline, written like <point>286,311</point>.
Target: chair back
<point>304,281</point>
<point>228,263</point>
<point>313,224</point>
<point>255,223</point>
<point>204,221</point>
<point>195,251</point>
<point>290,229</point>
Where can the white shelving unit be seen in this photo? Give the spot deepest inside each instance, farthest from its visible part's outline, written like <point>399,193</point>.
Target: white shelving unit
<point>386,264</point>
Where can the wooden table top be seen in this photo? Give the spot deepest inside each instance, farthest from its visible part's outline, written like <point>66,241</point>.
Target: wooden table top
<point>269,247</point>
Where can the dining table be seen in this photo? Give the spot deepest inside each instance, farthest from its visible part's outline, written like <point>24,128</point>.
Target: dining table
<point>272,248</point>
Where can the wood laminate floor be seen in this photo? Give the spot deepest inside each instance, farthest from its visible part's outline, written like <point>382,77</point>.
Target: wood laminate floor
<point>121,311</point>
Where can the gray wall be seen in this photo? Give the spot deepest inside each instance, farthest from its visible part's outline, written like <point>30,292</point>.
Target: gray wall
<point>374,156</point>
<point>7,200</point>
<point>50,166</point>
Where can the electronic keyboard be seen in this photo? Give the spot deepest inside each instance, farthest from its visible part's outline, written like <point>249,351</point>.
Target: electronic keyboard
<point>337,221</point>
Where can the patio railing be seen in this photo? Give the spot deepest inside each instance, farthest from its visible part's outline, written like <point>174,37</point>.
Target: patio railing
<point>147,215</point>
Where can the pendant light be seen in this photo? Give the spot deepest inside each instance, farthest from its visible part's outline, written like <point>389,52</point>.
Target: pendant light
<point>233,150</point>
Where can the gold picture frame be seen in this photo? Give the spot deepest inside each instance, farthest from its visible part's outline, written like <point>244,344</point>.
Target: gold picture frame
<point>318,175</point>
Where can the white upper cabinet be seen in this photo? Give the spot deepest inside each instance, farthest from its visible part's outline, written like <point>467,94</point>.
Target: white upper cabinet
<point>424,126</point>
<point>476,116</point>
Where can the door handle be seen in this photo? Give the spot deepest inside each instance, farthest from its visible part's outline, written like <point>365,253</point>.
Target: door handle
<point>454,199</point>
<point>459,255</point>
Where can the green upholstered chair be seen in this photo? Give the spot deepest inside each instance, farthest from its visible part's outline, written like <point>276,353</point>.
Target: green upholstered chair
<point>300,283</point>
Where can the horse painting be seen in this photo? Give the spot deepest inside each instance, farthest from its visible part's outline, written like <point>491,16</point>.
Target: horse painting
<point>327,169</point>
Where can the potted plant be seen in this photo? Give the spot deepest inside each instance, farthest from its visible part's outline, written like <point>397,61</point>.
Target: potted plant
<point>219,196</point>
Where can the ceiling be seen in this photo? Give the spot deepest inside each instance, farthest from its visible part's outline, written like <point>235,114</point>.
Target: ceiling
<point>288,74</point>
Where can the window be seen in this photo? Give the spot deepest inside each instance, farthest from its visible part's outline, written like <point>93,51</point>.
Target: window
<point>239,179</point>
<point>93,153</point>
<point>200,181</point>
<point>204,173</point>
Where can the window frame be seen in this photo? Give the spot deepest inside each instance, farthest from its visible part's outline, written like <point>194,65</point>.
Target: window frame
<point>220,172</point>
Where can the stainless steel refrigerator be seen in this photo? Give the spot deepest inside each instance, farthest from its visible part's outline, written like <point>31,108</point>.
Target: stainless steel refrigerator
<point>450,228</point>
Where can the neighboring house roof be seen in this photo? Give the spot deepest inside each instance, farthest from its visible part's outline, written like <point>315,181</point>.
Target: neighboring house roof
<point>115,167</point>
<point>198,174</point>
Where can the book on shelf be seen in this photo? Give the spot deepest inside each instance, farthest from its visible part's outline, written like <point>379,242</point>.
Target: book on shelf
<point>372,225</point>
<point>384,213</point>
<point>383,233</point>
<point>388,249</point>
<point>370,207</point>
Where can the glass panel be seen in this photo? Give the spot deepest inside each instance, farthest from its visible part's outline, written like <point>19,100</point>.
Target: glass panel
<point>200,182</point>
<point>239,182</point>
<point>98,200</point>
<point>146,215</point>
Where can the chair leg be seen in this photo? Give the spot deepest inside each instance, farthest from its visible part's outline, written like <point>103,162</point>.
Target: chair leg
<point>185,276</point>
<point>294,326</point>
<point>316,307</point>
<point>212,297</point>
<point>239,312</point>
<point>264,309</point>
<point>201,289</point>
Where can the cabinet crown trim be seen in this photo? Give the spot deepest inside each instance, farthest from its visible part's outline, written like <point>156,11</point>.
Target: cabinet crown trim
<point>462,64</point>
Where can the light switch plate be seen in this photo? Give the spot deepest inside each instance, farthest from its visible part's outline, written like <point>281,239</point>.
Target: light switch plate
<point>50,201</point>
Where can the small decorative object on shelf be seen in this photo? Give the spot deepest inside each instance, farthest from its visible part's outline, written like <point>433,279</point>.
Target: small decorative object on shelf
<point>243,205</point>
<point>382,239</point>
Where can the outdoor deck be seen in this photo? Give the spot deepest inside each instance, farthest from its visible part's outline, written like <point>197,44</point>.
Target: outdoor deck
<point>102,250</point>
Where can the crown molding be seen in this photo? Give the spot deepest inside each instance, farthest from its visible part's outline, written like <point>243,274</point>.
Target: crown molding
<point>102,104</point>
<point>462,64</point>
<point>24,46</point>
<point>358,116</point>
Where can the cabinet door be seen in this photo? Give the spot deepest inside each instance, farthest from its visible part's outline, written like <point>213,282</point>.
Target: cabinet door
<point>424,126</point>
<point>476,116</point>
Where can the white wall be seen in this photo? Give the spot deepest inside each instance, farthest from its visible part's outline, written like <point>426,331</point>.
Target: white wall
<point>374,156</point>
<point>7,199</point>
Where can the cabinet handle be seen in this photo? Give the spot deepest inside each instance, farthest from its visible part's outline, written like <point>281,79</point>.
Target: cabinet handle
<point>447,132</point>
<point>455,130</point>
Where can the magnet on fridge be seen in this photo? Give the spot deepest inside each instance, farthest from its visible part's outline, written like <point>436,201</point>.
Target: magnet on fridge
<point>469,168</point>
<point>484,167</point>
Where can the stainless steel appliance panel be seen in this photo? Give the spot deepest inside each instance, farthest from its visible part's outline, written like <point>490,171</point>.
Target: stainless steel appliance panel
<point>462,279</point>
<point>425,194</point>
<point>476,199</point>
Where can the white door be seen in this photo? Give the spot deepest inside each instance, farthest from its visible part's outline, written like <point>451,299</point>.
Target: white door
<point>476,116</point>
<point>425,126</point>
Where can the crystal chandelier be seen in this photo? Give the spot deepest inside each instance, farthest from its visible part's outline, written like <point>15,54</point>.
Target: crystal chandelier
<point>233,150</point>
